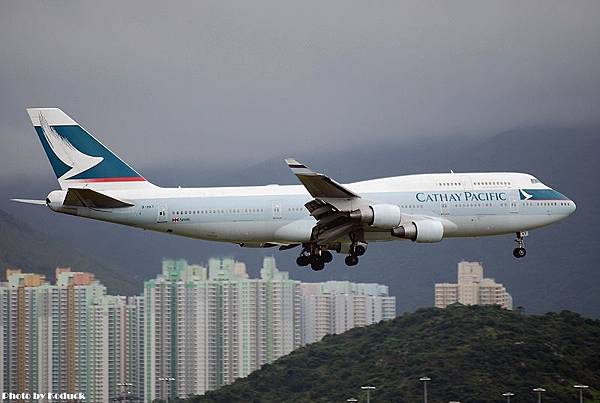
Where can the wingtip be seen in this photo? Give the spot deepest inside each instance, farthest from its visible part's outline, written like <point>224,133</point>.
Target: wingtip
<point>293,163</point>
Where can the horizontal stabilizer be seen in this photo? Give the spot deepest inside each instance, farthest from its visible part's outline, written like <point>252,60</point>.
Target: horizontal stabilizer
<point>30,201</point>
<point>90,198</point>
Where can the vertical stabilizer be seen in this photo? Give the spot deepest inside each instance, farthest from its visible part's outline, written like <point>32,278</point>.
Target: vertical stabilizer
<point>77,158</point>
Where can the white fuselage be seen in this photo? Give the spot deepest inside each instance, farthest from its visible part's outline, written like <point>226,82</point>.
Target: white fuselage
<point>470,204</point>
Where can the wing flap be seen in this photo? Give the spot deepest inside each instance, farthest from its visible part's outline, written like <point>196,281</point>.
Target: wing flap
<point>90,198</point>
<point>331,222</point>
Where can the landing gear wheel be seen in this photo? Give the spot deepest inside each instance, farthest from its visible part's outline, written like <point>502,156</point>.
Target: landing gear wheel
<point>351,260</point>
<point>326,256</point>
<point>359,250</point>
<point>302,260</point>
<point>519,252</point>
<point>317,264</point>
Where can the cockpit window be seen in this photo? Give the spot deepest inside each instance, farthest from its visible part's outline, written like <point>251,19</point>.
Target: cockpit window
<point>533,180</point>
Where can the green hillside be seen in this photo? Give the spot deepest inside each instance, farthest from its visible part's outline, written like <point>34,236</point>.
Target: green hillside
<point>26,248</point>
<point>472,354</point>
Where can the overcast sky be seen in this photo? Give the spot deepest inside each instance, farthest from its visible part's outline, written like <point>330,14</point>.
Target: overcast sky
<point>236,82</point>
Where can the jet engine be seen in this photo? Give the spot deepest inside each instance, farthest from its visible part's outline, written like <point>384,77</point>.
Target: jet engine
<point>385,216</point>
<point>420,231</point>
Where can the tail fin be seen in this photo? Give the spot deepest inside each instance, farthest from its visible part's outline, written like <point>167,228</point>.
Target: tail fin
<point>78,159</point>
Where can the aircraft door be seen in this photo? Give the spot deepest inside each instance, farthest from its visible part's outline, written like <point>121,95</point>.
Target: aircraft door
<point>467,183</point>
<point>513,203</point>
<point>163,214</point>
<point>444,209</point>
<point>276,210</point>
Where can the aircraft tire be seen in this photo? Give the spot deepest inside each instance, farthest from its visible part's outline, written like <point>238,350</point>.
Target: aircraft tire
<point>519,252</point>
<point>359,250</point>
<point>317,265</point>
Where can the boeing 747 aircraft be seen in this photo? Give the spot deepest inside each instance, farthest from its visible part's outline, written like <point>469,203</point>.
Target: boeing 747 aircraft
<point>319,216</point>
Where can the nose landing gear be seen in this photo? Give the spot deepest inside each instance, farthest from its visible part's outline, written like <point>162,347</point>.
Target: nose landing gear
<point>519,251</point>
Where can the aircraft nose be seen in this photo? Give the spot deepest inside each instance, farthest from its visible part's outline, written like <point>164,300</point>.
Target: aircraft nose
<point>572,207</point>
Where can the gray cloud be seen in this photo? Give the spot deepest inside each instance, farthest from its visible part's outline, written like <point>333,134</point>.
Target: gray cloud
<point>235,82</point>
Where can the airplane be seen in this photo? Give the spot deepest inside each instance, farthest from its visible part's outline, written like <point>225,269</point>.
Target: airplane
<point>320,216</point>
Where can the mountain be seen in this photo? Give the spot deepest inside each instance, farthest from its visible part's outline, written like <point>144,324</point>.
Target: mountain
<point>559,272</point>
<point>471,354</point>
<point>23,247</point>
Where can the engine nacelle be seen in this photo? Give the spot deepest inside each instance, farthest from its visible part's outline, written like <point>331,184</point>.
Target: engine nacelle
<point>386,216</point>
<point>420,231</point>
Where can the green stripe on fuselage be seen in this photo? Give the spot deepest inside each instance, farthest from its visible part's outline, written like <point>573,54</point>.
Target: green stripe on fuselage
<point>541,194</point>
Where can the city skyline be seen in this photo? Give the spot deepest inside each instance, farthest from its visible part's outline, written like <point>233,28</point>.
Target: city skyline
<point>193,329</point>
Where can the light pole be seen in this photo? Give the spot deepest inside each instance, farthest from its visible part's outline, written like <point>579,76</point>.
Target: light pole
<point>168,380</point>
<point>368,389</point>
<point>424,379</point>
<point>539,391</point>
<point>581,388</point>
<point>508,395</point>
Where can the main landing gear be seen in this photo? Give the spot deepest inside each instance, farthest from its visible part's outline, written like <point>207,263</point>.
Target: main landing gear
<point>520,251</point>
<point>316,257</point>
<point>356,250</point>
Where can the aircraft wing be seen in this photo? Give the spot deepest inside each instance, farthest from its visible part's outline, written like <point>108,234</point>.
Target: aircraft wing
<point>331,205</point>
<point>318,185</point>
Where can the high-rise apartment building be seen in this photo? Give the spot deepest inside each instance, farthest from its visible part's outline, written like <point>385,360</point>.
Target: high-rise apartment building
<point>19,333</point>
<point>472,289</point>
<point>336,306</point>
<point>115,334</point>
<point>131,382</point>
<point>206,327</point>
<point>63,337</point>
